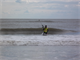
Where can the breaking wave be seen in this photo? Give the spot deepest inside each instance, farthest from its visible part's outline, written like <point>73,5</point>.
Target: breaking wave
<point>36,40</point>
<point>33,31</point>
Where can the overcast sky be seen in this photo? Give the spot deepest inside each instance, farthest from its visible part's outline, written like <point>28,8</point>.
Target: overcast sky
<point>40,9</point>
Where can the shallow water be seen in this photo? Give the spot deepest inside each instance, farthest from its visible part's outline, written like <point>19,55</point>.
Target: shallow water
<point>39,40</point>
<point>39,52</point>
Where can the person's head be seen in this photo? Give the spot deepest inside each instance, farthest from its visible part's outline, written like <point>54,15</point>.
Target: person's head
<point>45,26</point>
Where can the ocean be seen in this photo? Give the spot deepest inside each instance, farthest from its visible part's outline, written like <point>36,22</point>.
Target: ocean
<point>29,32</point>
<point>22,39</point>
<point>34,26</point>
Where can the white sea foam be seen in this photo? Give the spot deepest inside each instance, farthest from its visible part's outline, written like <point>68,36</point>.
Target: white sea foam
<point>39,40</point>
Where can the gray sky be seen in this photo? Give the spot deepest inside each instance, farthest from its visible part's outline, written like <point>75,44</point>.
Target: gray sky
<point>40,9</point>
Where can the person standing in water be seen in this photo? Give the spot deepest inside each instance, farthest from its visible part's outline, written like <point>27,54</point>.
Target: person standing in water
<point>45,30</point>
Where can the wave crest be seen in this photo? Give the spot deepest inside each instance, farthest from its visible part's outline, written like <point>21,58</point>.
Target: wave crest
<point>30,31</point>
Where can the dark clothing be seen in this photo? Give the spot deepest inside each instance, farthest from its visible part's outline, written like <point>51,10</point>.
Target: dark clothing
<point>45,32</point>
